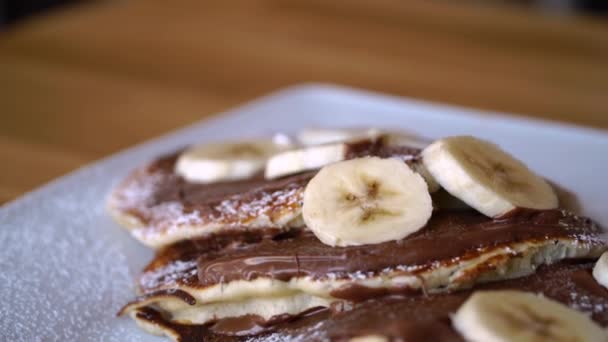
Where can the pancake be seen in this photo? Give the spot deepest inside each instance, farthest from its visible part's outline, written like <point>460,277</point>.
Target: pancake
<point>294,272</point>
<point>160,208</point>
<point>235,260</point>
<point>404,318</point>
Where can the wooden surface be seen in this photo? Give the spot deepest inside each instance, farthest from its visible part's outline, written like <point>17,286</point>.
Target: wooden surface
<point>81,83</point>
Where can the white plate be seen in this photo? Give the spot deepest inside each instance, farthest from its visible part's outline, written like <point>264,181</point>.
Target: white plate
<point>66,268</point>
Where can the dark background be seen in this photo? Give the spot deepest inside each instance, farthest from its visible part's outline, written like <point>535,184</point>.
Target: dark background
<point>11,11</point>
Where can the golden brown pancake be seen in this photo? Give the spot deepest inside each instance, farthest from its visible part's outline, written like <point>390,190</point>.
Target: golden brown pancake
<point>236,262</point>
<point>199,281</point>
<point>405,318</point>
<point>160,208</point>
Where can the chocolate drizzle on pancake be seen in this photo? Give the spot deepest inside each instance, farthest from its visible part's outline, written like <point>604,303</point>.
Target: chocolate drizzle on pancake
<point>409,318</point>
<point>243,249</point>
<point>161,201</point>
<point>450,236</point>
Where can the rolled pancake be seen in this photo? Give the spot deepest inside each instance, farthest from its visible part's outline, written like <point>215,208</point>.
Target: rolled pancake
<point>404,318</point>
<point>160,208</point>
<point>294,272</point>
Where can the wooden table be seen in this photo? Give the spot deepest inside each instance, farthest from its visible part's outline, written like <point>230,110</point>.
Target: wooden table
<point>81,83</point>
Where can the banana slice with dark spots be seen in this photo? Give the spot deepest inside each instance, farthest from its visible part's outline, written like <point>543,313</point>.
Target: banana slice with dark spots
<point>365,201</point>
<point>486,177</point>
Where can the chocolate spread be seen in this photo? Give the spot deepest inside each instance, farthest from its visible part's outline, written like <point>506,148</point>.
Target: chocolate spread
<point>151,194</point>
<point>200,196</point>
<point>449,236</point>
<point>407,318</point>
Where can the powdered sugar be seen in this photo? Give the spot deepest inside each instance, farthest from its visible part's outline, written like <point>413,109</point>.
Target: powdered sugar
<point>66,268</point>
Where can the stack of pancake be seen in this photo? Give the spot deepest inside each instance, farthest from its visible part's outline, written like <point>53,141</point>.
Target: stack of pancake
<point>241,257</point>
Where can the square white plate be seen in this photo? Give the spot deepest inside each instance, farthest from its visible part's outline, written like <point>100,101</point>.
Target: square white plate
<point>66,268</point>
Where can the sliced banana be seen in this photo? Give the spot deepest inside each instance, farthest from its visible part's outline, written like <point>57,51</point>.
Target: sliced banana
<point>317,156</point>
<point>369,338</point>
<point>486,177</point>
<point>600,270</point>
<point>501,316</point>
<point>227,161</point>
<point>319,136</point>
<point>308,158</point>
<point>401,138</point>
<point>365,201</point>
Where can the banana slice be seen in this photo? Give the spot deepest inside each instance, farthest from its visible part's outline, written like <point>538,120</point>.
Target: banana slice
<point>227,161</point>
<point>314,157</point>
<point>600,270</point>
<point>319,136</point>
<point>401,138</point>
<point>308,158</point>
<point>501,316</point>
<point>486,177</point>
<point>365,201</point>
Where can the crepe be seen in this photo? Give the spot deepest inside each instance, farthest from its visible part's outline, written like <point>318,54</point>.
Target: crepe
<point>160,208</point>
<point>200,281</point>
<point>407,318</point>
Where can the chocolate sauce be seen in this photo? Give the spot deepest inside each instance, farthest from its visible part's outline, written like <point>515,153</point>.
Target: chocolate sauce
<point>168,293</point>
<point>218,202</point>
<point>254,325</point>
<point>154,193</point>
<point>242,326</point>
<point>449,236</point>
<point>407,318</point>
<point>160,198</point>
